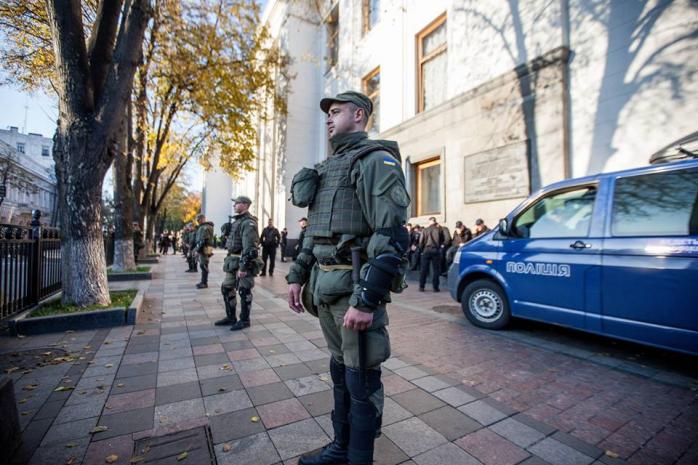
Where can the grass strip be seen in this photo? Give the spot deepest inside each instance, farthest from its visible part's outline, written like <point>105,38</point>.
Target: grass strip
<point>118,299</point>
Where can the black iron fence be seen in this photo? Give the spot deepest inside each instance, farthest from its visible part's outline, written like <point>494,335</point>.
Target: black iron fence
<point>109,248</point>
<point>30,266</point>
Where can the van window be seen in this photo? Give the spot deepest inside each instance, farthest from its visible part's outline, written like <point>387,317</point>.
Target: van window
<point>657,204</point>
<point>559,214</point>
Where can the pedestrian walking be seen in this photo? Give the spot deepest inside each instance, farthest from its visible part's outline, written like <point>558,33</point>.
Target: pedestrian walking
<point>270,242</point>
<point>349,262</point>
<point>240,266</point>
<point>430,244</point>
<point>164,244</point>
<point>284,244</point>
<point>204,247</point>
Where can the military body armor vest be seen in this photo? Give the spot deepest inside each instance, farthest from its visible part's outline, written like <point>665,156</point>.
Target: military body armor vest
<point>234,242</point>
<point>336,208</point>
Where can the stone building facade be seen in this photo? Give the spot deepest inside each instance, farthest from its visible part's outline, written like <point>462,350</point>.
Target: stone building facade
<point>28,177</point>
<point>489,100</point>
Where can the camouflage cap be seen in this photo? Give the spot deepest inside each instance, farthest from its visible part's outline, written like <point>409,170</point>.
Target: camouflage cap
<point>242,199</point>
<point>357,98</point>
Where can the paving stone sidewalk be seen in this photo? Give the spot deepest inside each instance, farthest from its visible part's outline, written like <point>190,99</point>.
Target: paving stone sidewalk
<point>455,394</point>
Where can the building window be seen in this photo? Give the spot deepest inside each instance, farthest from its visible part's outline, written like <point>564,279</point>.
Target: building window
<point>427,175</point>
<point>20,147</point>
<point>45,151</point>
<point>371,14</point>
<point>432,62</point>
<point>332,27</point>
<point>371,87</point>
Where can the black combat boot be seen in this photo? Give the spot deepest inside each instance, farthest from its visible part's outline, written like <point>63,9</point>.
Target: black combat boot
<point>363,415</point>
<point>230,304</point>
<point>335,453</point>
<point>245,305</point>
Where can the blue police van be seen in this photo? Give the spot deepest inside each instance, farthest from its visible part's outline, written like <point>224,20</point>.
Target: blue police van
<point>614,254</point>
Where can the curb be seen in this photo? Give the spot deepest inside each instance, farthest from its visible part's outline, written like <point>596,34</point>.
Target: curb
<point>135,276</point>
<point>118,316</point>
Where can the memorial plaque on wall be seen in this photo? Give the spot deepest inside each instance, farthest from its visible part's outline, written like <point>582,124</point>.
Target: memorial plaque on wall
<point>497,174</point>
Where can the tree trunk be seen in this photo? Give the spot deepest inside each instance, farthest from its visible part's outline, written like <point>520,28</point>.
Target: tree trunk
<point>83,273</point>
<point>93,87</point>
<point>124,258</point>
<point>149,233</point>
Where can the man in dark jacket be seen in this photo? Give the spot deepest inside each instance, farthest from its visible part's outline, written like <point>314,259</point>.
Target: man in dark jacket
<point>480,227</point>
<point>415,254</point>
<point>430,243</point>
<point>270,241</point>
<point>284,243</point>
<point>461,235</point>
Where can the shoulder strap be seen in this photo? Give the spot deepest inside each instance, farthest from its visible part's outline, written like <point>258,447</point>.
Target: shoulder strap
<point>370,149</point>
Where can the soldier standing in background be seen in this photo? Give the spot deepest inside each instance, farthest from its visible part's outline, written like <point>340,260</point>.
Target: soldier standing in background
<point>240,266</point>
<point>204,247</point>
<point>191,253</point>
<point>352,257</point>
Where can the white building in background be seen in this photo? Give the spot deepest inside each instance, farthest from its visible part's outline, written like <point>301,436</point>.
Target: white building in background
<point>285,144</point>
<point>215,197</point>
<point>27,169</point>
<point>489,99</point>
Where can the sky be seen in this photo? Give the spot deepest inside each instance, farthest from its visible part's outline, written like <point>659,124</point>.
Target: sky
<point>37,112</point>
<point>41,113</point>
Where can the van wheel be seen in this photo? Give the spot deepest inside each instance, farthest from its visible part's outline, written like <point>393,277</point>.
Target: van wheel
<point>485,304</point>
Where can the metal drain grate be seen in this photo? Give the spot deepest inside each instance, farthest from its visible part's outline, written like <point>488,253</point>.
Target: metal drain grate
<point>170,449</point>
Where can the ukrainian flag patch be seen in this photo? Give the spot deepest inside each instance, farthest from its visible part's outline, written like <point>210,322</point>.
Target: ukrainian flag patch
<point>390,161</point>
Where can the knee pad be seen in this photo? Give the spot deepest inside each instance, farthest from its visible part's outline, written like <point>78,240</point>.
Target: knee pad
<point>228,293</point>
<point>337,372</point>
<point>362,383</point>
<point>245,294</point>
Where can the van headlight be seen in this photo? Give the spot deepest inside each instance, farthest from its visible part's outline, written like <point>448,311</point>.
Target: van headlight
<point>456,257</point>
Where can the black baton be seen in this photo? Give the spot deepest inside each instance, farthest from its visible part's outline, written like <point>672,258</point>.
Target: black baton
<point>356,277</point>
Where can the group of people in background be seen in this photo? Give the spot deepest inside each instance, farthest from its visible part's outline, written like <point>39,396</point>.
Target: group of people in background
<point>433,248</point>
<point>167,240</point>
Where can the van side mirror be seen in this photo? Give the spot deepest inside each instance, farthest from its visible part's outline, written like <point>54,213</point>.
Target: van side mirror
<point>504,227</point>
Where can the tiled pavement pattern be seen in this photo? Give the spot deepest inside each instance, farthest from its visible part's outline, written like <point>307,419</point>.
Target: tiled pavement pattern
<point>455,394</point>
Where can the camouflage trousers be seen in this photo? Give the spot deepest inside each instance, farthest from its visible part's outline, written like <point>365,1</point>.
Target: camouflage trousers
<point>343,343</point>
<point>231,286</point>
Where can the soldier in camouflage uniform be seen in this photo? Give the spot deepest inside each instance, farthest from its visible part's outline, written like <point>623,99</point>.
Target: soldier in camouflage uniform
<point>187,248</point>
<point>357,200</point>
<point>204,247</point>
<point>191,253</point>
<point>241,265</point>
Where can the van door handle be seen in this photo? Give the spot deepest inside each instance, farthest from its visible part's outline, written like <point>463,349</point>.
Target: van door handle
<point>580,245</point>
